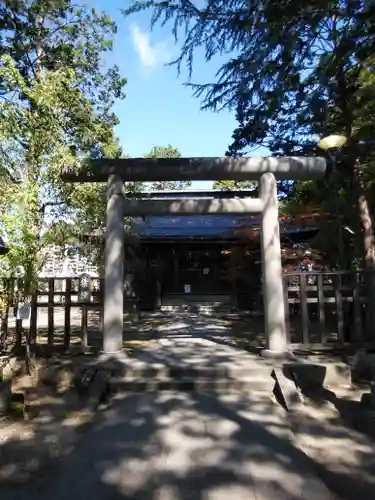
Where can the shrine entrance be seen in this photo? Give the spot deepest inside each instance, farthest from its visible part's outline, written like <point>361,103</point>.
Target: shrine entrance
<point>267,170</point>
<point>204,268</point>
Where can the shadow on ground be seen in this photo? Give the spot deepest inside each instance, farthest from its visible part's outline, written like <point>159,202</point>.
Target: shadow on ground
<point>182,446</point>
<point>178,446</point>
<point>241,329</point>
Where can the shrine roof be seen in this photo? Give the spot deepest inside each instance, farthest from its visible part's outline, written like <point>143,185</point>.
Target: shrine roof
<point>206,226</point>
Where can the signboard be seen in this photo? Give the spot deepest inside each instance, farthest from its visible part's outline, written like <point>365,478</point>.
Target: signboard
<point>187,288</point>
<point>128,285</point>
<point>85,296</point>
<point>84,288</point>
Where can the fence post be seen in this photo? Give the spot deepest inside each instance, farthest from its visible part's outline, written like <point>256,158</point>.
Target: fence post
<point>286,305</point>
<point>357,309</point>
<point>68,302</point>
<point>339,309</point>
<point>304,308</point>
<point>19,285</point>
<point>101,309</point>
<point>84,317</point>
<point>322,312</point>
<point>51,300</point>
<point>18,332</point>
<point>34,317</point>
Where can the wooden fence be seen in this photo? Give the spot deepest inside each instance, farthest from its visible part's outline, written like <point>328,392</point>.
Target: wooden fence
<point>66,298</point>
<point>321,308</point>
<point>326,307</point>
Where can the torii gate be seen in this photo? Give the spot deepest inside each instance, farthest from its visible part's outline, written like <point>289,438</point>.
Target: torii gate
<point>266,169</point>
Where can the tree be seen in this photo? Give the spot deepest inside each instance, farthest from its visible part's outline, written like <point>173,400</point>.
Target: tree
<point>56,99</point>
<point>350,109</point>
<point>235,185</point>
<point>166,152</point>
<point>273,50</point>
<point>55,110</point>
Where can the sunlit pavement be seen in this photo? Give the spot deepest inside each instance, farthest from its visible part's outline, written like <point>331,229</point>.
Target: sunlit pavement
<point>173,446</point>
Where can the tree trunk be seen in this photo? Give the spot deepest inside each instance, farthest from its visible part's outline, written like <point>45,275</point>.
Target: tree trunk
<point>3,328</point>
<point>4,313</point>
<point>368,244</point>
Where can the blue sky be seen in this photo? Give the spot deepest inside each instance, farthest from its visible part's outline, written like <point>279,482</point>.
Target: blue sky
<point>159,110</point>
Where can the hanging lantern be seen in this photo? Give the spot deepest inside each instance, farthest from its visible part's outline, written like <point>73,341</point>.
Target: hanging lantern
<point>3,249</point>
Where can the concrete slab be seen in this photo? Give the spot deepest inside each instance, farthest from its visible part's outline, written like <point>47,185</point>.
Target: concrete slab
<point>310,375</point>
<point>344,458</point>
<point>286,391</point>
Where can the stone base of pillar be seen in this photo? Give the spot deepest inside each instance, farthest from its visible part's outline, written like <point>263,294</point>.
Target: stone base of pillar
<point>111,350</point>
<point>277,355</point>
<point>116,363</point>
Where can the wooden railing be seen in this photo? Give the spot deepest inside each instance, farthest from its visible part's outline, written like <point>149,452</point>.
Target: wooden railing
<point>325,307</point>
<point>55,295</point>
<point>320,308</point>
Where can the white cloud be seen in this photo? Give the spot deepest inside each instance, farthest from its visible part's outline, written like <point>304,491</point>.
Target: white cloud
<point>150,55</point>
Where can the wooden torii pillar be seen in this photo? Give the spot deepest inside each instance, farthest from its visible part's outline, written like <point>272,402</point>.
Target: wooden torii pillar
<point>266,169</point>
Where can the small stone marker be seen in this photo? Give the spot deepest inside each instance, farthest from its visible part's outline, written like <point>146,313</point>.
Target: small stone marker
<point>85,294</point>
<point>84,379</point>
<point>286,390</point>
<point>99,389</point>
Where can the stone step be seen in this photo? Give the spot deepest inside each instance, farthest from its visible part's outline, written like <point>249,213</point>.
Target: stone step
<point>154,370</point>
<point>132,374</point>
<point>198,308</point>
<point>196,298</point>
<point>175,360</point>
<point>198,384</point>
<point>149,368</point>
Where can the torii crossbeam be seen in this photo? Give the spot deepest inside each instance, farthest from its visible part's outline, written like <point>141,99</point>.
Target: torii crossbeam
<point>266,169</point>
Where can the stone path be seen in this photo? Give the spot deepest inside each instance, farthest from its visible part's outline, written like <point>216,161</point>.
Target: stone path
<point>179,446</point>
<point>176,445</point>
